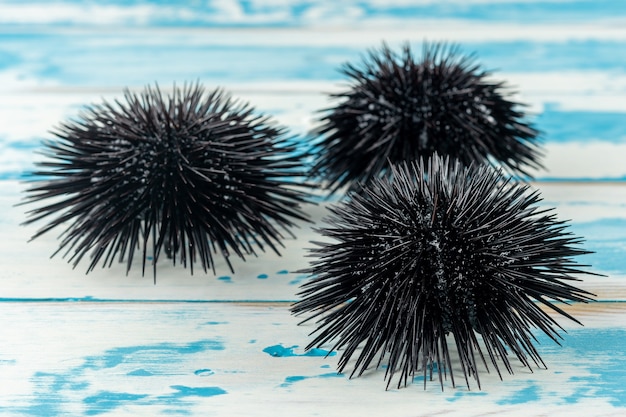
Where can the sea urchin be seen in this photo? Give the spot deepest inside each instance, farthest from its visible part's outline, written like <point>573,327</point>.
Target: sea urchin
<point>190,174</point>
<point>440,252</point>
<point>400,109</point>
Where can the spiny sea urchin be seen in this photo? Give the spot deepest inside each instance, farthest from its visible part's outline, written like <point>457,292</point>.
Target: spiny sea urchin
<point>191,174</point>
<point>440,252</point>
<point>400,109</point>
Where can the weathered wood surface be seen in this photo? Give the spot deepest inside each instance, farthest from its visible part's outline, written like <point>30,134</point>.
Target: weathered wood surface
<point>89,358</point>
<point>111,344</point>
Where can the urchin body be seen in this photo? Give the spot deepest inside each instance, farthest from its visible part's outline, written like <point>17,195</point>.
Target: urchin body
<point>191,174</point>
<point>439,253</point>
<point>400,109</point>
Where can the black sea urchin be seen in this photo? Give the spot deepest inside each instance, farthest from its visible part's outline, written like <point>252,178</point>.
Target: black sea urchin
<point>398,109</point>
<point>440,252</point>
<point>191,174</point>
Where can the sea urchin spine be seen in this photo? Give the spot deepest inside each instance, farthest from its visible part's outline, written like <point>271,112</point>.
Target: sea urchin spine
<point>190,174</point>
<point>400,109</point>
<point>440,252</point>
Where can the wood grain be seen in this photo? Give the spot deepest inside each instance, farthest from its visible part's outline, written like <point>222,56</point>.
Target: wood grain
<point>113,344</point>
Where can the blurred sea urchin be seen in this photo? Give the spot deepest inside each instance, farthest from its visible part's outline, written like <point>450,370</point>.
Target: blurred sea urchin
<point>400,109</point>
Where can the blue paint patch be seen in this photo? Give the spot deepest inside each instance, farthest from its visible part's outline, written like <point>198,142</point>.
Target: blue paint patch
<point>461,394</point>
<point>28,145</point>
<point>184,391</point>
<point>46,397</point>
<point>325,366</point>
<point>518,12</point>
<point>605,238</point>
<point>319,352</point>
<point>602,363</point>
<point>305,13</point>
<point>225,278</point>
<point>581,179</point>
<point>116,356</point>
<point>6,176</point>
<point>282,272</point>
<point>262,276</point>
<point>457,396</point>
<point>298,280</point>
<point>140,372</point>
<point>544,56</point>
<point>252,341</point>
<point>215,323</point>
<point>331,375</point>
<point>280,351</point>
<point>103,65</point>
<point>204,372</point>
<point>576,396</point>
<point>525,395</point>
<point>578,379</point>
<point>574,126</point>
<point>8,60</point>
<point>610,229</point>
<point>52,391</point>
<point>107,401</point>
<point>40,407</point>
<point>79,386</point>
<point>290,380</point>
<point>176,412</point>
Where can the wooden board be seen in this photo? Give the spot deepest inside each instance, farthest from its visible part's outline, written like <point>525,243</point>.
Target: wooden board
<point>113,344</point>
<point>88,358</point>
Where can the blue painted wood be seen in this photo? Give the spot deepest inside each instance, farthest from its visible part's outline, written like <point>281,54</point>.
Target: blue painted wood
<point>299,13</point>
<point>597,214</point>
<point>565,58</point>
<point>117,58</point>
<point>241,360</point>
<point>111,344</point>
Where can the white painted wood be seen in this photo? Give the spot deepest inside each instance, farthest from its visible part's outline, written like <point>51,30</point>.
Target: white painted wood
<point>130,359</point>
<point>31,274</point>
<point>113,344</point>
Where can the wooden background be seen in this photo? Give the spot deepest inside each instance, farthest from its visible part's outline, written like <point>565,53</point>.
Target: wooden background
<point>111,344</point>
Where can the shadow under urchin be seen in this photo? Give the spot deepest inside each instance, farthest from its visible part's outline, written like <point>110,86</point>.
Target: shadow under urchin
<point>397,109</point>
<point>191,174</point>
<point>440,254</point>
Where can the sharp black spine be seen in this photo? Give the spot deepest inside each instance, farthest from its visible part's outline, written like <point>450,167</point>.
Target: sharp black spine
<point>440,253</point>
<point>399,109</point>
<point>191,174</point>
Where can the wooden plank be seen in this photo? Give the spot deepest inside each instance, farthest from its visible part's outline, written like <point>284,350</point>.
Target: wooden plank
<point>596,212</point>
<point>88,358</point>
<point>303,13</point>
<point>573,131</point>
<point>115,344</point>
<point>571,76</point>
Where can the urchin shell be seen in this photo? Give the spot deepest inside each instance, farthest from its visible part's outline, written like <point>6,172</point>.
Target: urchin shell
<point>192,174</point>
<point>397,108</point>
<point>439,254</point>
